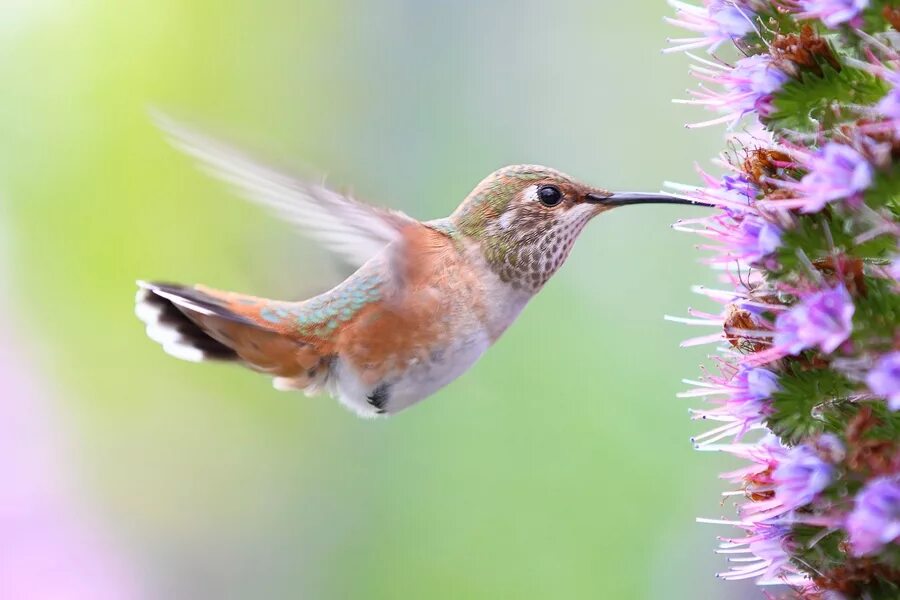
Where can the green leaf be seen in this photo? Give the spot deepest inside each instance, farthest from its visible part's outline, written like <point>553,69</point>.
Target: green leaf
<point>808,234</point>
<point>817,551</point>
<point>876,321</point>
<point>885,191</point>
<point>810,401</point>
<point>807,104</point>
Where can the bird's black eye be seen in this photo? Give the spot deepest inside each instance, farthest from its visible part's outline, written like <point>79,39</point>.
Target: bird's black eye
<point>549,195</point>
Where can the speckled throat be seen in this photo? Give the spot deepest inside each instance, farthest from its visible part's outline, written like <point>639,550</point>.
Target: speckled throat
<point>528,254</point>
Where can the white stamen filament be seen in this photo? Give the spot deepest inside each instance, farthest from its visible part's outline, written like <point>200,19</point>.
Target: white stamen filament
<point>700,393</point>
<point>733,551</point>
<point>719,522</point>
<point>724,294</point>
<point>699,341</point>
<point>687,321</point>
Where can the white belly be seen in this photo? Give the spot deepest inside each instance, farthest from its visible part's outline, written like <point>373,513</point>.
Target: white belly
<point>421,378</point>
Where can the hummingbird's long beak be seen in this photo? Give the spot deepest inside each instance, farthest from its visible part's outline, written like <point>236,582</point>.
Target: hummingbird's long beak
<point>625,198</point>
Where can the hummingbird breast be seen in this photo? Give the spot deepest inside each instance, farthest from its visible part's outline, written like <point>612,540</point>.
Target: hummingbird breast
<point>445,312</point>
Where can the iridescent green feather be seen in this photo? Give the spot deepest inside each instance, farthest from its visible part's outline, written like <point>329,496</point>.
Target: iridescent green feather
<point>321,315</point>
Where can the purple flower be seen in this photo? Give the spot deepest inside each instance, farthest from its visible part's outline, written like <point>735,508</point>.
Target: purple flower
<point>894,268</point>
<point>830,448</point>
<point>761,383</point>
<point>823,319</point>
<point>745,403</point>
<point>741,184</point>
<point>757,238</point>
<point>747,87</point>
<point>717,21</point>
<point>742,235</point>
<point>732,20</point>
<point>800,476</point>
<point>734,194</point>
<point>875,520</point>
<point>884,379</point>
<point>889,106</point>
<point>760,554</point>
<point>752,390</point>
<point>836,171</point>
<point>833,12</point>
<point>755,77</point>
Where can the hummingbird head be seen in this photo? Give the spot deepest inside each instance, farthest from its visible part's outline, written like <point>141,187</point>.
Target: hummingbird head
<point>527,217</point>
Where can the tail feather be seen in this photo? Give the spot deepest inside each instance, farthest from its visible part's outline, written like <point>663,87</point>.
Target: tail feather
<point>200,324</point>
<point>173,329</point>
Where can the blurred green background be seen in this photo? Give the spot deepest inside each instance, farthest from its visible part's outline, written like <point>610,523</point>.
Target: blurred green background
<point>558,467</point>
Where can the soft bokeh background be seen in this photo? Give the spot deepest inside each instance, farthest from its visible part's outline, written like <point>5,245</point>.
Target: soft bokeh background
<point>558,467</point>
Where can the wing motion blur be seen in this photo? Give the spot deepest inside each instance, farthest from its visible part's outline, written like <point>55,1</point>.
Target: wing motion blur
<point>354,230</point>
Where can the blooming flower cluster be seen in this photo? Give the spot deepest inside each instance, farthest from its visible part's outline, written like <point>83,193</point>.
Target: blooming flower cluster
<point>804,386</point>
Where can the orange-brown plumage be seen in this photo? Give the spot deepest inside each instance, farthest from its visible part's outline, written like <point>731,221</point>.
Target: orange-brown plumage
<point>434,295</point>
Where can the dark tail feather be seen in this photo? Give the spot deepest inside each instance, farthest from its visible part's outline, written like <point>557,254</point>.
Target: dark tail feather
<point>198,324</point>
<point>168,325</point>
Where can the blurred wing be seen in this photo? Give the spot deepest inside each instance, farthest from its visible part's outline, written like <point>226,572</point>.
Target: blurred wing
<point>354,230</point>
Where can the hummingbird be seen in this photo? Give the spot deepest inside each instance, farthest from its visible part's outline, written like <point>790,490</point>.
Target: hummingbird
<point>426,301</point>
